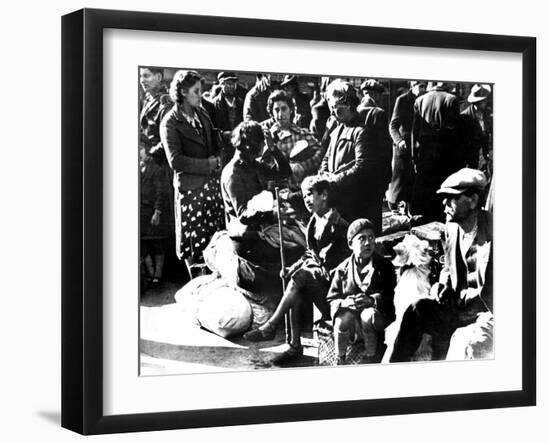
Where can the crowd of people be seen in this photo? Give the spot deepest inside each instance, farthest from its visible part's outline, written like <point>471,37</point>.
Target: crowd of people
<point>338,159</point>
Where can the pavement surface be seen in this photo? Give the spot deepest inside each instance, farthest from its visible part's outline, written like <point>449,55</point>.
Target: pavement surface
<point>171,343</point>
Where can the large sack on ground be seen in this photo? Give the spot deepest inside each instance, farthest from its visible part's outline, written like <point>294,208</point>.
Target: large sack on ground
<point>221,258</point>
<point>225,312</point>
<point>190,296</point>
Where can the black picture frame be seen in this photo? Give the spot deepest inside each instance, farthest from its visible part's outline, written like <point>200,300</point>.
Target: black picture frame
<point>82,218</point>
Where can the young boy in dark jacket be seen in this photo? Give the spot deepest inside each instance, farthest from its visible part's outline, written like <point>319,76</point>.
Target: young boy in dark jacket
<point>361,294</point>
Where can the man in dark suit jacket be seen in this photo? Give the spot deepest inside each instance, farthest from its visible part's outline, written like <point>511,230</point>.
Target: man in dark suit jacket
<point>320,111</point>
<point>476,129</point>
<point>463,297</point>
<point>255,102</point>
<point>228,112</point>
<point>155,105</point>
<point>400,188</point>
<point>375,122</point>
<point>436,150</point>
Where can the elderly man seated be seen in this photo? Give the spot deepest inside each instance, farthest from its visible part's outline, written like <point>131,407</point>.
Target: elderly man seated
<point>460,305</point>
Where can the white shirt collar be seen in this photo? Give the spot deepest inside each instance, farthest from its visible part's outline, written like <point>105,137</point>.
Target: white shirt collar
<point>192,120</point>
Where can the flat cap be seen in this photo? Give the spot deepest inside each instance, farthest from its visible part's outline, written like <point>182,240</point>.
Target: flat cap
<point>372,85</point>
<point>463,180</point>
<point>357,226</point>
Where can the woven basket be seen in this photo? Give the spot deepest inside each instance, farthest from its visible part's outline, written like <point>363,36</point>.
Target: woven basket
<point>355,353</point>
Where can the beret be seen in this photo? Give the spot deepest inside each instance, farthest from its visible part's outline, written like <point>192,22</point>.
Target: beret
<point>462,181</point>
<point>357,226</point>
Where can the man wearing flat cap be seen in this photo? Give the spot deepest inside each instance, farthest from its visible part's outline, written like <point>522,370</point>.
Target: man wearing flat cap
<point>361,295</point>
<point>228,111</point>
<point>476,129</point>
<point>459,311</point>
<point>372,91</point>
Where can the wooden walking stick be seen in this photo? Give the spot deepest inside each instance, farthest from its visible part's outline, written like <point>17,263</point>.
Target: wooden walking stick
<point>282,252</point>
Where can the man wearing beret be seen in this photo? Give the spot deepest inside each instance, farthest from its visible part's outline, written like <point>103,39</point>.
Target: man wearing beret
<point>372,91</point>
<point>461,303</point>
<point>361,294</point>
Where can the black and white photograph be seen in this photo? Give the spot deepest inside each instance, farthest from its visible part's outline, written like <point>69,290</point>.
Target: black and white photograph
<point>292,220</point>
<point>333,226</point>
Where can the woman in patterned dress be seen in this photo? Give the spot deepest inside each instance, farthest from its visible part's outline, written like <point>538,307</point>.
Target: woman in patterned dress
<point>191,145</point>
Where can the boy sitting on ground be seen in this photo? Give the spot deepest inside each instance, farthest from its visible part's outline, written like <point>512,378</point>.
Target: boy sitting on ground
<point>361,294</point>
<point>309,276</point>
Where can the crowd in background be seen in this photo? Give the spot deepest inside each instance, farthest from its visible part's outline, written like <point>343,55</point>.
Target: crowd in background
<point>403,138</point>
<point>338,153</point>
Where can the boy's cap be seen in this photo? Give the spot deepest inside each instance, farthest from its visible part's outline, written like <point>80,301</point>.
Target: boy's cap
<point>357,226</point>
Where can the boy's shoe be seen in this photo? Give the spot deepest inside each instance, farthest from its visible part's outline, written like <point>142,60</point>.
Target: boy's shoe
<point>291,355</point>
<point>259,335</point>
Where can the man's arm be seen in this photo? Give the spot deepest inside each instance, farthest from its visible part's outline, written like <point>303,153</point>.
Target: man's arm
<point>248,113</point>
<point>415,132</point>
<point>396,122</point>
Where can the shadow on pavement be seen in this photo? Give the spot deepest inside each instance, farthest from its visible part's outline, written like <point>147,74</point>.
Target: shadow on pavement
<point>218,356</point>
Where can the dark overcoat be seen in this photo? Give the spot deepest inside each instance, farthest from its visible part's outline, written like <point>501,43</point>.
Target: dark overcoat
<point>187,151</point>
